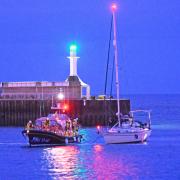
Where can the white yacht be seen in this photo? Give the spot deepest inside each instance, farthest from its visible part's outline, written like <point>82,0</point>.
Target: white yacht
<point>127,129</point>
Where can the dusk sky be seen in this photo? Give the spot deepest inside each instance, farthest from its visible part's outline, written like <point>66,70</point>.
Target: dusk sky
<point>35,35</point>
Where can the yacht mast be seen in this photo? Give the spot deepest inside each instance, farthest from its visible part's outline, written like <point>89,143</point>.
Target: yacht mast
<point>114,7</point>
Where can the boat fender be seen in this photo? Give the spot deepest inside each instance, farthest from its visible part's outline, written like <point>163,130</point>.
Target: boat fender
<point>74,139</point>
<point>66,141</point>
<point>78,139</point>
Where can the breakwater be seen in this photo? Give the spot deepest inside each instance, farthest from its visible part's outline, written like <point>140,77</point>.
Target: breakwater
<point>89,112</point>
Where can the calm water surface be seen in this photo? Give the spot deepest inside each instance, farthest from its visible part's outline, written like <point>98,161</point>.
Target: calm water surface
<point>159,158</point>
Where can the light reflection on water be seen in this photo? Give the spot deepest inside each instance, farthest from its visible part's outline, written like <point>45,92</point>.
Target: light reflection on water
<point>108,167</point>
<point>92,159</point>
<point>61,161</point>
<point>74,162</point>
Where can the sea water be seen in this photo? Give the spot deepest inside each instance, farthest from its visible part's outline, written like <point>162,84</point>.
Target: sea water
<point>158,158</point>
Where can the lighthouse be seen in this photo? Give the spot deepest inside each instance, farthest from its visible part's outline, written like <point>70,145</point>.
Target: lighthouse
<point>73,78</point>
<point>73,60</point>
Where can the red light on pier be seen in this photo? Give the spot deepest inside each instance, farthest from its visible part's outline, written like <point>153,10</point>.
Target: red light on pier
<point>66,107</point>
<point>98,129</point>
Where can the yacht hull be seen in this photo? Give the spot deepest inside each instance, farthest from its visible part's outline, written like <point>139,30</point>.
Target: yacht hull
<point>38,137</point>
<point>126,137</point>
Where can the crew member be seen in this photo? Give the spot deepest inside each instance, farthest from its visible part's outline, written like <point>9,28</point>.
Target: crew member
<point>46,124</point>
<point>29,125</point>
<point>75,127</point>
<point>68,128</point>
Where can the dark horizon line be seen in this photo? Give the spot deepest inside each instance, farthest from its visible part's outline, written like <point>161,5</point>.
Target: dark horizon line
<point>141,94</point>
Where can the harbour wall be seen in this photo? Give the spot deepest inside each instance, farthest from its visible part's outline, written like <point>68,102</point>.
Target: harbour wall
<point>89,112</point>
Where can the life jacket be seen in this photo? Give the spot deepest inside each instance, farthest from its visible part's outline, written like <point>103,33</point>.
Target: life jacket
<point>68,123</point>
<point>29,125</point>
<point>47,122</point>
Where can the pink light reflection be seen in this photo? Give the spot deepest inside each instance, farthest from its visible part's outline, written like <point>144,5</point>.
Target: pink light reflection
<point>110,166</point>
<point>62,160</point>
